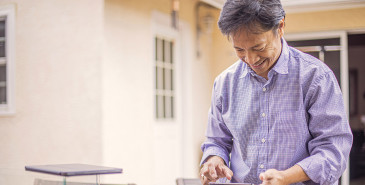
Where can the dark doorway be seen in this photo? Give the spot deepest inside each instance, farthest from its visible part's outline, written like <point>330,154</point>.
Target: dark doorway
<point>356,51</point>
<point>328,51</point>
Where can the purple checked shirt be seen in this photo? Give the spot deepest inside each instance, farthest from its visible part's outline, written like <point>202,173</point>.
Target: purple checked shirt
<point>297,116</point>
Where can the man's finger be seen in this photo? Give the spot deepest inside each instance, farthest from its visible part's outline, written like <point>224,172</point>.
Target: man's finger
<point>266,176</point>
<point>212,173</point>
<point>204,180</point>
<point>227,172</point>
<point>220,171</point>
<point>203,172</point>
<point>263,178</point>
<point>207,181</point>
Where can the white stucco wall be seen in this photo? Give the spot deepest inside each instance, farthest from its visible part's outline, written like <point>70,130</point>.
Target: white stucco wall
<point>58,81</point>
<point>85,91</point>
<point>127,93</point>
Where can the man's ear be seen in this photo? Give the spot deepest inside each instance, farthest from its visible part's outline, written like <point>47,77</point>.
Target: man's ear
<point>281,27</point>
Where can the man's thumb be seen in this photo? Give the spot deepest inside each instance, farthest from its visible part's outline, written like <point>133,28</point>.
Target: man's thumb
<point>262,176</point>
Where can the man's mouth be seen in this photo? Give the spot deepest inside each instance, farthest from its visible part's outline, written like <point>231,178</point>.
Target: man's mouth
<point>258,65</point>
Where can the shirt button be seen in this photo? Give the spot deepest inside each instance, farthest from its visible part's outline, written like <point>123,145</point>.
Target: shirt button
<point>261,166</point>
<point>264,89</point>
<point>263,140</point>
<point>263,114</point>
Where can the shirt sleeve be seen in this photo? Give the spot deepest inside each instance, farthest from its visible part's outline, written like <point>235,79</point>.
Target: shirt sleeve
<point>218,137</point>
<point>328,125</point>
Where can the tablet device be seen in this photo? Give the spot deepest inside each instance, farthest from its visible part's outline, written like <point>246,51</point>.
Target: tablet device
<point>217,183</point>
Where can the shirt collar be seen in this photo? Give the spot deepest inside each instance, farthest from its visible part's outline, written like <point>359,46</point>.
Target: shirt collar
<point>246,69</point>
<point>281,65</point>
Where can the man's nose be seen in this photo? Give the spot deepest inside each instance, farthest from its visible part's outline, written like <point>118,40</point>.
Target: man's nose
<point>251,58</point>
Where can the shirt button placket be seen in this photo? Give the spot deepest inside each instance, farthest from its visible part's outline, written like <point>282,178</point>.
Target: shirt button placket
<point>263,135</point>
<point>263,140</point>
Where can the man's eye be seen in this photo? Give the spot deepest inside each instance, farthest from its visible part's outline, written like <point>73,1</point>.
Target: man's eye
<point>261,49</point>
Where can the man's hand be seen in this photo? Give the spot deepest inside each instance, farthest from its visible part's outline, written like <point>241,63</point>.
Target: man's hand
<point>292,175</point>
<point>213,169</point>
<point>273,177</point>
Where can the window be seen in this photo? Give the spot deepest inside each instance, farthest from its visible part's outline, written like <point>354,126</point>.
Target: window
<point>7,32</point>
<point>164,78</point>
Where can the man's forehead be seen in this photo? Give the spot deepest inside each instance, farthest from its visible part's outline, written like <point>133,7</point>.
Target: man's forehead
<point>249,40</point>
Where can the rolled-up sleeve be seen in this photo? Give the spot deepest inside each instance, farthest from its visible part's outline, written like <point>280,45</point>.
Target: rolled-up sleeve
<point>328,125</point>
<point>219,139</point>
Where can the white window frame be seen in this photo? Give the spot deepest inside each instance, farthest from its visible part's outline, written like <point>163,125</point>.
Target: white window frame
<point>169,110</point>
<point>8,11</point>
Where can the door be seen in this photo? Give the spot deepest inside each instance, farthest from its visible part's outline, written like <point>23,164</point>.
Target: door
<point>330,48</point>
<point>167,128</point>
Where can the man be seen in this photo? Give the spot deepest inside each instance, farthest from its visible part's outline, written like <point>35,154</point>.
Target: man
<point>277,115</point>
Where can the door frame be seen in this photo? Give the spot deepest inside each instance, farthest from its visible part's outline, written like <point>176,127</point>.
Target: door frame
<point>344,71</point>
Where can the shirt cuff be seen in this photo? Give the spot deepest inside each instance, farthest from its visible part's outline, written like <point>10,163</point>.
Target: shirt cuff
<point>317,170</point>
<point>214,151</point>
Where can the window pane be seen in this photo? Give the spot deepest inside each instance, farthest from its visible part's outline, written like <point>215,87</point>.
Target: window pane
<point>315,54</point>
<point>2,48</point>
<point>156,78</point>
<point>163,106</point>
<point>332,60</point>
<point>158,49</point>
<point>2,28</point>
<point>3,84</point>
<point>2,94</point>
<point>163,78</point>
<point>159,78</point>
<point>167,51</point>
<point>163,50</point>
<point>156,46</point>
<point>167,79</point>
<point>168,106</point>
<point>171,52</point>
<point>3,73</point>
<point>172,79</point>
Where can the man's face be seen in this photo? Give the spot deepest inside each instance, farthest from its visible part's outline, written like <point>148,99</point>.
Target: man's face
<point>259,51</point>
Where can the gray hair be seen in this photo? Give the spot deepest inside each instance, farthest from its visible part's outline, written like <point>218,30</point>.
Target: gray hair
<point>256,16</point>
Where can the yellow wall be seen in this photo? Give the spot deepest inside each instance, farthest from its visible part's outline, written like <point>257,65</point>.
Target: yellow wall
<point>345,19</point>
<point>223,54</point>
